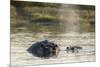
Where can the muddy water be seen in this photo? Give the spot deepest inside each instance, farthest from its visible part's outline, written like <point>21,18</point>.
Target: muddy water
<point>20,42</point>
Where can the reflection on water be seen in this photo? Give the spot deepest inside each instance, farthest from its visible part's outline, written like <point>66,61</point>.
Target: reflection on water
<point>61,19</point>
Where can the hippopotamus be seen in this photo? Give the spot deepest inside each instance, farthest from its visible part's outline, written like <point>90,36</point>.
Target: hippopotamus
<point>73,49</point>
<point>44,49</point>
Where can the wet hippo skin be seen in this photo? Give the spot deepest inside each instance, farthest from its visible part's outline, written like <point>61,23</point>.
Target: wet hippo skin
<point>43,49</point>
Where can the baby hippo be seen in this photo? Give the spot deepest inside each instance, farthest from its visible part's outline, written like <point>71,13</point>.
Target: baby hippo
<point>73,49</point>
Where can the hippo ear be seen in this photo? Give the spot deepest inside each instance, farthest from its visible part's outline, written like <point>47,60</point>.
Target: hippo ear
<point>46,41</point>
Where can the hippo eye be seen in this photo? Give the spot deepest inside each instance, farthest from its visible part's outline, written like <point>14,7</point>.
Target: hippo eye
<point>42,45</point>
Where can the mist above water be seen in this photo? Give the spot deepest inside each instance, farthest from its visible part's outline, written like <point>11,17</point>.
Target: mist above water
<point>70,18</point>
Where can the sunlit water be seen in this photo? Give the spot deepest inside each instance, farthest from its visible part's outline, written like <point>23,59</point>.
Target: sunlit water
<point>20,42</point>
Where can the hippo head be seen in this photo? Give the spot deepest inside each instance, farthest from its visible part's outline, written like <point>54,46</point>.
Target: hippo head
<point>43,49</point>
